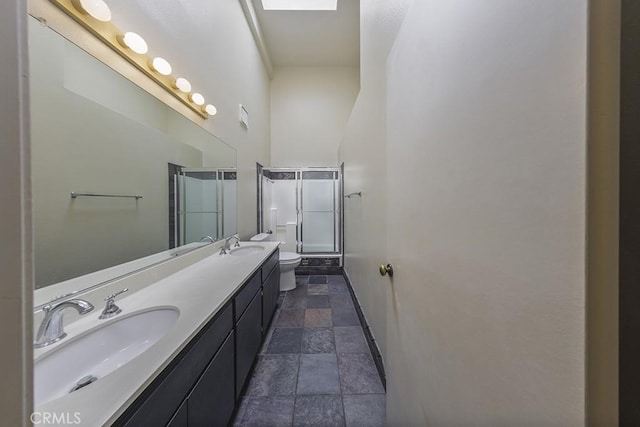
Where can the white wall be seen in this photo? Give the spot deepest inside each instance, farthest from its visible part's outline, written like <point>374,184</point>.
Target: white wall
<point>363,153</point>
<point>486,112</point>
<point>210,42</point>
<point>16,397</point>
<point>309,109</point>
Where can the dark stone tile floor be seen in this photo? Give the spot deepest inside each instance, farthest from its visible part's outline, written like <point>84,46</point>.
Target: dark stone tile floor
<point>315,367</point>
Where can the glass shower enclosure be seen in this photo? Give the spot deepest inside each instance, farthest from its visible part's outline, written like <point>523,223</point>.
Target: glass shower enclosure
<point>310,197</point>
<point>205,203</point>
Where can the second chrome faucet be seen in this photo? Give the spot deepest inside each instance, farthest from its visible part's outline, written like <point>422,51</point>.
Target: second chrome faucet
<point>227,244</point>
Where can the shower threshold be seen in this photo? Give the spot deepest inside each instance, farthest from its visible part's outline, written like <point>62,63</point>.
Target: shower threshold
<point>320,264</point>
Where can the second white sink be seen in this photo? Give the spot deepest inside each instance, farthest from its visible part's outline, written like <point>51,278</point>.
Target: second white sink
<point>246,250</point>
<point>99,351</point>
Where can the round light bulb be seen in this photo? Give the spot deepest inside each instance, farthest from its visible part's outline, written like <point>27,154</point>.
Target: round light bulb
<point>197,98</point>
<point>210,110</point>
<point>134,42</point>
<point>98,9</point>
<point>161,65</point>
<point>182,85</point>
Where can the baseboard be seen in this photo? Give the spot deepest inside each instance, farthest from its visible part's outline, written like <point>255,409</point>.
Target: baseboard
<point>313,270</point>
<point>371,341</point>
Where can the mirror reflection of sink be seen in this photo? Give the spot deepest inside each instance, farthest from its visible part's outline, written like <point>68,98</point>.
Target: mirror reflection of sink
<point>246,250</point>
<point>99,352</point>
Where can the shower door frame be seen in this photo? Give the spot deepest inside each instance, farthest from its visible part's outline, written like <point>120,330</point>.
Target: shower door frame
<point>337,210</point>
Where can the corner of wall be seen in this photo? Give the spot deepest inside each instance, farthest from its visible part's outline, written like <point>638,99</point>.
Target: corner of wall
<point>16,309</point>
<point>603,213</point>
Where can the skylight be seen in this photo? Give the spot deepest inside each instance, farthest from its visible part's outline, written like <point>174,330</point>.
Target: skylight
<point>300,4</point>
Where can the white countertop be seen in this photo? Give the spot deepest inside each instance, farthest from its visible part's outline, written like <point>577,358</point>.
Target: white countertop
<point>199,291</point>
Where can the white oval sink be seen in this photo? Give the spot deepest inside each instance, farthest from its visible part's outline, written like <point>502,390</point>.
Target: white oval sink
<point>246,250</point>
<point>99,351</point>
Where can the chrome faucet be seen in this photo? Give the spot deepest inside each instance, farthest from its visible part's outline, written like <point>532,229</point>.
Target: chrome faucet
<point>110,308</point>
<point>52,329</point>
<point>227,244</point>
<point>211,239</point>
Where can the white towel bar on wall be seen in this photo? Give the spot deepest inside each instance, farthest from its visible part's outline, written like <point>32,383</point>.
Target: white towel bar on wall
<point>348,196</point>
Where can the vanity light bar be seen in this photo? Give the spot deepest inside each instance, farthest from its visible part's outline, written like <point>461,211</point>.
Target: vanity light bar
<point>133,48</point>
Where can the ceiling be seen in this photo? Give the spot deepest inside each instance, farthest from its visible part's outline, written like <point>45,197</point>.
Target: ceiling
<point>312,38</point>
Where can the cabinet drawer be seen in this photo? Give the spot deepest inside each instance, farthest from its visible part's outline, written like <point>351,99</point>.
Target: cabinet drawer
<point>246,294</point>
<point>269,264</point>
<point>169,390</point>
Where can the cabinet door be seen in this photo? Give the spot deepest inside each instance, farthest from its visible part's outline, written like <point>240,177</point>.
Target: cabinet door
<point>248,339</point>
<point>212,401</point>
<point>271,291</point>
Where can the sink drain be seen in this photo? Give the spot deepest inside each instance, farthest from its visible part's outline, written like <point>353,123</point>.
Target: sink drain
<point>83,382</point>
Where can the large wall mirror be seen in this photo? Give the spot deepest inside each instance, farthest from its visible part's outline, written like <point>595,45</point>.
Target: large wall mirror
<point>97,134</point>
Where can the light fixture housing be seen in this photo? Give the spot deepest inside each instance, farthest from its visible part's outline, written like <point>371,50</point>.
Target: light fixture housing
<point>182,84</point>
<point>133,41</point>
<point>89,13</point>
<point>300,4</point>
<point>161,66</point>
<point>97,9</point>
<point>197,98</point>
<point>210,109</point>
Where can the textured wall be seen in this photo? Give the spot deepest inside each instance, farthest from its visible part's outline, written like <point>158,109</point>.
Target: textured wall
<point>309,109</point>
<point>363,153</point>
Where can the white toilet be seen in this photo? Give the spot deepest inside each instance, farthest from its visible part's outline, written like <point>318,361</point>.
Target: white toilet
<point>288,263</point>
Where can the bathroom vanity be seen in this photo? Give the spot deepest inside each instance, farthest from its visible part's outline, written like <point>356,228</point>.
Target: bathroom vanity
<point>195,373</point>
<point>202,384</point>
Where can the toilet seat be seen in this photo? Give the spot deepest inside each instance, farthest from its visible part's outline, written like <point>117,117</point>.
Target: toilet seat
<point>289,258</point>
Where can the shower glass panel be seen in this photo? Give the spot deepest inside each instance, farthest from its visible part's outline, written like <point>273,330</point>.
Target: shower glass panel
<point>308,198</point>
<point>199,214</point>
<point>319,195</point>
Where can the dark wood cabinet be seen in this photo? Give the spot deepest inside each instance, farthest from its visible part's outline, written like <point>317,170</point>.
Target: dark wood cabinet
<point>246,294</point>
<point>201,386</point>
<point>212,401</point>
<point>249,337</point>
<point>180,418</point>
<point>270,291</point>
<point>160,401</point>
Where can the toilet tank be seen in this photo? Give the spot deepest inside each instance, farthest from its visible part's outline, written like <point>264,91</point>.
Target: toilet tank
<point>262,237</point>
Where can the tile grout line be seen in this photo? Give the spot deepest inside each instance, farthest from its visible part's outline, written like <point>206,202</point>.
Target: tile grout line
<point>333,331</point>
<point>295,392</point>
